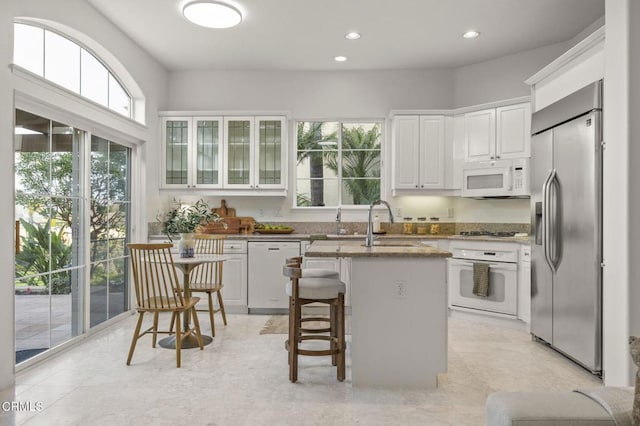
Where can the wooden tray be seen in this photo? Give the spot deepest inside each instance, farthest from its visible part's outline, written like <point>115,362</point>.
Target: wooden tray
<point>274,231</point>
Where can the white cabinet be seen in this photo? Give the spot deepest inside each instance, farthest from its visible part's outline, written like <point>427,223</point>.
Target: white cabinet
<point>419,152</point>
<point>513,131</point>
<point>234,273</point>
<point>245,154</point>
<point>255,155</point>
<point>192,152</point>
<point>498,133</point>
<point>524,285</point>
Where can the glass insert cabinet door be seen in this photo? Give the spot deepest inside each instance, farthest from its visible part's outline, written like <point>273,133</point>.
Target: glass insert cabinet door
<point>192,152</point>
<point>270,152</point>
<point>207,135</point>
<point>239,134</point>
<point>175,155</point>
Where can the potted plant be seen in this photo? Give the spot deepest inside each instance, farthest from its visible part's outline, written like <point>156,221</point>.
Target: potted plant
<point>185,220</point>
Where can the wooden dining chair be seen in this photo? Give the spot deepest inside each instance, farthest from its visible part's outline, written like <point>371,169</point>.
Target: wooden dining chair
<point>207,278</point>
<point>157,291</point>
<point>315,286</point>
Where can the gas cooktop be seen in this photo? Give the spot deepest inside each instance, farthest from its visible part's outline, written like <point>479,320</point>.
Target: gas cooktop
<point>487,234</point>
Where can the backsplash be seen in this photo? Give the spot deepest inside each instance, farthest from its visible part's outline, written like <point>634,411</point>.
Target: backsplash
<point>445,228</point>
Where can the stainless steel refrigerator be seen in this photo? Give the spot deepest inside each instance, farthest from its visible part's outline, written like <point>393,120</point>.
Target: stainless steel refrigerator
<point>566,223</point>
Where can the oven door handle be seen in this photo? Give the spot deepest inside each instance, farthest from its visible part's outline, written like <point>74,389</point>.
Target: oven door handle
<point>496,266</point>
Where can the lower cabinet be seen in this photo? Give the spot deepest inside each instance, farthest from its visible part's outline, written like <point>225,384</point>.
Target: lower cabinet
<point>524,285</point>
<point>234,275</point>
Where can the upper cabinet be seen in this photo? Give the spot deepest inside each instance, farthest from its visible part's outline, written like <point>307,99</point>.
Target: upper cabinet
<point>192,153</point>
<point>498,133</point>
<point>423,153</point>
<point>419,151</point>
<point>255,154</point>
<point>241,154</point>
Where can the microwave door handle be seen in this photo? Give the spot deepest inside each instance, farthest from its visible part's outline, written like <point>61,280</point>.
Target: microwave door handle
<point>546,222</point>
<point>509,178</point>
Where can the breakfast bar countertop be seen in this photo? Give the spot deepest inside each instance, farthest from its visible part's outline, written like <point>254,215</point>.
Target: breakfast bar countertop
<point>356,249</point>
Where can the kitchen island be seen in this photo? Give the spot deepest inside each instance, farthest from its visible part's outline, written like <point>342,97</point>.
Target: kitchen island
<point>398,311</point>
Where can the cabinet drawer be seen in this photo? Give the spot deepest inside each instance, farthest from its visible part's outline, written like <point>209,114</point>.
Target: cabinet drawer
<point>235,246</point>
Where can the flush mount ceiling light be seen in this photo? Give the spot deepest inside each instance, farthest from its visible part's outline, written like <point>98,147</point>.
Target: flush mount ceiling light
<point>212,14</point>
<point>471,34</point>
<point>353,35</point>
<point>340,58</point>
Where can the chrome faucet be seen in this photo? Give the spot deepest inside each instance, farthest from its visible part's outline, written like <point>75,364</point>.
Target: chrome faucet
<point>338,220</point>
<point>368,242</point>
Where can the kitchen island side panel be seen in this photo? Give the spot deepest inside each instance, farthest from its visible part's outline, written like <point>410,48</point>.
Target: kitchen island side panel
<point>399,322</point>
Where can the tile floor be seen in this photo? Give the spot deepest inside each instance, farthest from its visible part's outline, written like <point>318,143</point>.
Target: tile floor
<point>242,379</point>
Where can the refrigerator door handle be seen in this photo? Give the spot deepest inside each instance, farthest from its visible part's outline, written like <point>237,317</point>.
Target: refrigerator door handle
<point>546,222</point>
<point>554,256</point>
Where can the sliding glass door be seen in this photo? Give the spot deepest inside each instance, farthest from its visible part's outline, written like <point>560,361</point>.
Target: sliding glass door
<point>72,220</point>
<point>109,222</point>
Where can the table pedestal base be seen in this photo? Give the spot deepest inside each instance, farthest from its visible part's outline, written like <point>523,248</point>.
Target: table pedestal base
<point>189,342</point>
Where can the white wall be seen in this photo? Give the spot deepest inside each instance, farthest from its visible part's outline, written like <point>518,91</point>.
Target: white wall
<point>149,75</point>
<point>353,94</point>
<point>620,197</point>
<point>501,78</point>
<point>305,95</point>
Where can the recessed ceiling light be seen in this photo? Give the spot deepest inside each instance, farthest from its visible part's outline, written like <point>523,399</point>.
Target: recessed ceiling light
<point>471,34</point>
<point>353,35</point>
<point>340,58</point>
<point>212,14</point>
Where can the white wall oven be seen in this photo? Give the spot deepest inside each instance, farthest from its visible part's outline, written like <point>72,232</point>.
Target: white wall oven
<point>502,260</point>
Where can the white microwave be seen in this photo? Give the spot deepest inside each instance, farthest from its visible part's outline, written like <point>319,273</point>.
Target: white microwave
<point>496,178</point>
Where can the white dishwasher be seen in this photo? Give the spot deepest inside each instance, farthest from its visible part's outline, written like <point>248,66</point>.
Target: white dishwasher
<point>266,282</point>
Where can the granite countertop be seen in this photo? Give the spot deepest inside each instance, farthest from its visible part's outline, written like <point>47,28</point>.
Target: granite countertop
<point>360,237</point>
<point>357,249</point>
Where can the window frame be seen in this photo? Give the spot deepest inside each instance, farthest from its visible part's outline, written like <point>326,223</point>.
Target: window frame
<point>384,149</point>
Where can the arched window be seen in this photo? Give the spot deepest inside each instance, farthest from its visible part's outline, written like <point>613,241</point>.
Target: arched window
<point>64,62</point>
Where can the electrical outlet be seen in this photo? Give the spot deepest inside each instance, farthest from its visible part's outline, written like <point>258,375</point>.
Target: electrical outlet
<point>261,212</point>
<point>278,213</point>
<point>450,212</point>
<point>398,212</point>
<point>400,289</point>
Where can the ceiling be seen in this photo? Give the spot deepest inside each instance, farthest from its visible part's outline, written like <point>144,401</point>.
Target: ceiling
<point>307,34</point>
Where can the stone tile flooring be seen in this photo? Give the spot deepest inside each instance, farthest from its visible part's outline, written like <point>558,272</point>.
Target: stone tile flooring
<point>242,379</point>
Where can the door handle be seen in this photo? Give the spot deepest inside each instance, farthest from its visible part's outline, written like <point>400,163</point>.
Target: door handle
<point>554,234</point>
<point>546,220</point>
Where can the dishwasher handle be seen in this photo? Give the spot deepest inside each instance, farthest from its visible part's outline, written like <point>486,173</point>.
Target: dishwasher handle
<point>273,248</point>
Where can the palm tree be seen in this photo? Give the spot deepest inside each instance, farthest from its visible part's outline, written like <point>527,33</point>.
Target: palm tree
<point>310,147</point>
<point>360,163</point>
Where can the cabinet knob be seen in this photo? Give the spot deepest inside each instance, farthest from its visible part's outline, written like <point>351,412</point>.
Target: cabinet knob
<point>497,156</point>
<point>416,186</point>
<point>421,186</point>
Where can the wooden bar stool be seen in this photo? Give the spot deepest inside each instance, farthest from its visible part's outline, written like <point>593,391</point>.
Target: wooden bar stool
<point>315,286</point>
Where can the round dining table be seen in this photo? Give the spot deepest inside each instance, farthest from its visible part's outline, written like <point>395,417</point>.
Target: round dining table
<point>186,265</point>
